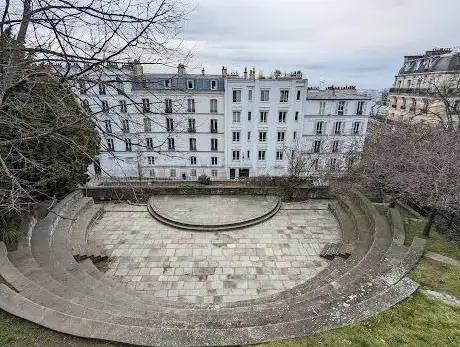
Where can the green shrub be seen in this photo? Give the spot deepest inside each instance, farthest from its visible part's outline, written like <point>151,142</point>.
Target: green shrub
<point>203,179</point>
<point>10,231</point>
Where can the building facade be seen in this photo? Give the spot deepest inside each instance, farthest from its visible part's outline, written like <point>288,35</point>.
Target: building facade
<point>180,126</point>
<point>427,87</point>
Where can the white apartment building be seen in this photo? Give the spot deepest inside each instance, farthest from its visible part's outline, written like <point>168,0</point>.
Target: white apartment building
<point>176,126</point>
<point>159,125</point>
<point>263,119</point>
<point>334,127</point>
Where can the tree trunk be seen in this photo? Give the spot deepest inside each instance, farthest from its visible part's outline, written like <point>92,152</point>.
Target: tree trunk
<point>429,223</point>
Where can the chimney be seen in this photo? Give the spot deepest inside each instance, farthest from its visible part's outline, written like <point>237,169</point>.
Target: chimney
<point>181,69</point>
<point>254,73</point>
<point>137,68</point>
<point>245,75</point>
<point>224,71</point>
<point>202,72</point>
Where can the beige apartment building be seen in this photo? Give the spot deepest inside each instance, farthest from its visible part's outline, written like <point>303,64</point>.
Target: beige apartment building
<point>427,88</point>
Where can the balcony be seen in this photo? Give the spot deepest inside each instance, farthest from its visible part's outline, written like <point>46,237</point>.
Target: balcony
<point>191,130</point>
<point>168,109</point>
<point>393,106</point>
<point>403,107</point>
<point>412,109</point>
<point>214,130</point>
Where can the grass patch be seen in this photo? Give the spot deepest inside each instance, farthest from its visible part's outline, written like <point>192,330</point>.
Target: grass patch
<point>435,243</point>
<point>416,321</point>
<point>437,276</point>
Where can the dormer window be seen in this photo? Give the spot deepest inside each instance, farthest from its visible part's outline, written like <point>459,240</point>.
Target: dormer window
<point>213,84</point>
<point>167,84</point>
<point>190,84</point>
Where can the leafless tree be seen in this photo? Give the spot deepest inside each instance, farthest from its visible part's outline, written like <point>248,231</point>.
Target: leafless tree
<point>51,46</point>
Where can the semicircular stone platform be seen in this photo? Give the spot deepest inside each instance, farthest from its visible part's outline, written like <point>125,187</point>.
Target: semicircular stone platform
<point>212,212</point>
<point>216,268</point>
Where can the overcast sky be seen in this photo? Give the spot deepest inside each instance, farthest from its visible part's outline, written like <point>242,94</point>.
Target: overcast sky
<point>358,42</point>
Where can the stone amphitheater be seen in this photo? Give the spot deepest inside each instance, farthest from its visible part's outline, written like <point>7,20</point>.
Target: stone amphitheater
<point>244,271</point>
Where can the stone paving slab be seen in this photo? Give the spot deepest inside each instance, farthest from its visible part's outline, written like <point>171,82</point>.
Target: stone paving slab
<point>214,267</point>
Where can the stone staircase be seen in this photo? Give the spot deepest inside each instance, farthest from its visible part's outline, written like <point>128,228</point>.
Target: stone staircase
<point>48,286</point>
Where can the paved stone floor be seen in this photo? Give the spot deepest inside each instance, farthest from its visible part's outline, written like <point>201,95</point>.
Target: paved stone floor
<point>215,267</point>
<point>213,209</point>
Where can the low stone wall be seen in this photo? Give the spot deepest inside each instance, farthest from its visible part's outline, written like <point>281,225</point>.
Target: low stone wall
<point>143,193</point>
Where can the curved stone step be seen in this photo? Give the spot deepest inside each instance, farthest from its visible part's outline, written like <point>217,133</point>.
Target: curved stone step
<point>224,227</point>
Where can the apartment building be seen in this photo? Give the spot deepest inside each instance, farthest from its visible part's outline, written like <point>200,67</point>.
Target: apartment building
<point>334,127</point>
<point>427,87</point>
<point>263,119</point>
<point>158,125</point>
<point>227,126</point>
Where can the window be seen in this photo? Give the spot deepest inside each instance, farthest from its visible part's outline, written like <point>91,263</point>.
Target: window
<point>264,95</point>
<point>169,124</point>
<point>191,125</point>
<point>419,82</point>
<point>171,144</point>
<point>356,128</point>
<point>281,135</point>
<point>236,136</point>
<point>298,94</point>
<point>279,155</point>
<point>296,117</point>
<point>262,155</point>
<point>341,108</point>
<point>123,106</point>
<point>263,116</point>
<point>249,136</point>
<point>409,82</point>
<point>167,84</point>
<point>145,105</point>
<point>399,84</point>
<point>250,95</point>
<point>213,105</point>
<point>214,145</point>
<point>147,125</point>
<point>262,136</point>
<point>190,105</point>
<point>110,145</point>
<point>338,127</point>
<point>172,172</point>
<point>168,106</point>
<point>236,116</point>
<point>360,107</point>
<point>108,126</point>
<point>149,143</point>
<point>317,146</point>
<point>322,108</point>
<point>235,155</point>
<point>284,95</point>
<point>335,146</point>
<point>192,144</point>
<point>214,172</point>
<point>151,160</point>
<point>82,87</point>
<point>249,116</point>
<point>213,84</point>
<point>193,172</point>
<point>282,117</point>
<point>248,155</point>
<point>85,105</point>
<point>403,106</point>
<point>213,160</point>
<point>192,160</point>
<point>119,85</point>
<point>128,145</point>
<point>125,125</point>
<point>294,135</point>
<point>190,84</point>
<point>236,95</point>
<point>333,164</point>
<point>214,125</point>
<point>152,173</point>
<point>105,106</point>
<point>315,164</point>
<point>319,128</point>
<point>101,89</point>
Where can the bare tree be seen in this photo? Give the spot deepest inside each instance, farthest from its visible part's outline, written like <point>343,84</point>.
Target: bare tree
<point>53,46</point>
